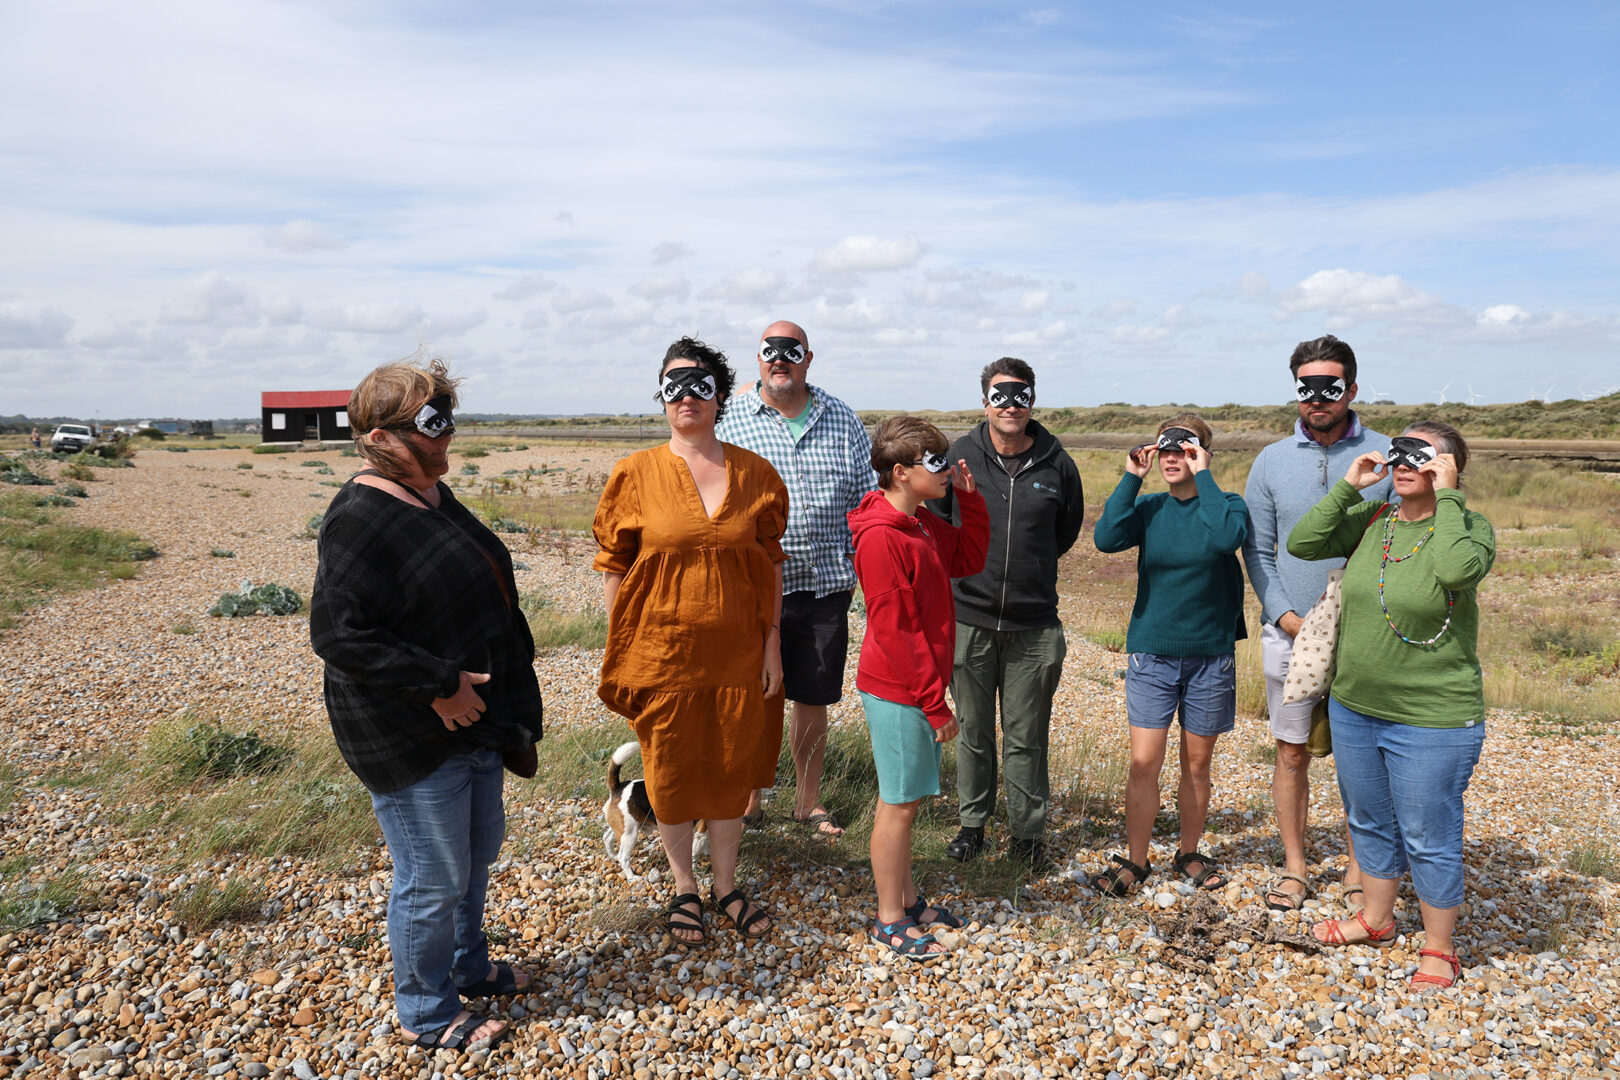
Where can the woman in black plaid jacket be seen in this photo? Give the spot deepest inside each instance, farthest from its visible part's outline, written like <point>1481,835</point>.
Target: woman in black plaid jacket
<point>430,687</point>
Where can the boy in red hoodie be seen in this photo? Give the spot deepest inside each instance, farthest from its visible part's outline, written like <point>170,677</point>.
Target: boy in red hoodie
<point>905,558</point>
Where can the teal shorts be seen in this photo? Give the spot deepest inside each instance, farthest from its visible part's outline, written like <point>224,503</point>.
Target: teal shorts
<point>903,749</point>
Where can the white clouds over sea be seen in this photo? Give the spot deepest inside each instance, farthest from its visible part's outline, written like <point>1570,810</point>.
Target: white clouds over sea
<point>203,201</point>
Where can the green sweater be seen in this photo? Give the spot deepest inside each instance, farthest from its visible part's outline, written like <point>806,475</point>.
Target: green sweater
<point>1189,584</point>
<point>1436,685</point>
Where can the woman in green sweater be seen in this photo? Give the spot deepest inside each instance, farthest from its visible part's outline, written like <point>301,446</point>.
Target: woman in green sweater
<point>1188,615</point>
<point>1407,705</point>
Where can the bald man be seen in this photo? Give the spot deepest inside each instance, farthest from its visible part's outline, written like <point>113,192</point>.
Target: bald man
<point>824,456</point>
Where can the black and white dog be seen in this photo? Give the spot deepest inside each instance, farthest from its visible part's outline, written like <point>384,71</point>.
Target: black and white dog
<point>627,811</point>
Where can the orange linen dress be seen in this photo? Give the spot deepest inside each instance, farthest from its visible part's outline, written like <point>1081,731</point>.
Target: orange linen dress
<point>686,636</point>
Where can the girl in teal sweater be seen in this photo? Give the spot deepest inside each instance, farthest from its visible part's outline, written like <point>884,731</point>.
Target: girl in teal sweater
<point>1407,704</point>
<point>1188,615</point>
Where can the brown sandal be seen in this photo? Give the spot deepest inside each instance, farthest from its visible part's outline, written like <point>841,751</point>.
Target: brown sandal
<point>1296,900</point>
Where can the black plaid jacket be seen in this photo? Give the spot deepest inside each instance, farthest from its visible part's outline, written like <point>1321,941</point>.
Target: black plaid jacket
<point>404,601</point>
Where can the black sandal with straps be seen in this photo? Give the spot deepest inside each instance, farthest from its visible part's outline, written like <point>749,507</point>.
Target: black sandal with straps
<point>1199,880</point>
<point>1109,882</point>
<point>748,916</point>
<point>680,908</point>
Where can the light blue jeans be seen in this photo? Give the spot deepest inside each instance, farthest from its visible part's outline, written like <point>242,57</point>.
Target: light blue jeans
<point>1403,797</point>
<point>443,832</point>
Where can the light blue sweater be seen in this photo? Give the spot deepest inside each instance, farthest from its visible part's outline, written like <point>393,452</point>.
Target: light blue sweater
<point>1288,478</point>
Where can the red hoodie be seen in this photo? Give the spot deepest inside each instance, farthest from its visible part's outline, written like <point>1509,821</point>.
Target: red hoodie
<point>905,565</point>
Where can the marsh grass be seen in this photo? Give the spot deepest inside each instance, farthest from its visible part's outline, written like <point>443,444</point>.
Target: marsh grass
<point>25,902</point>
<point>1593,858</point>
<point>554,629</point>
<point>208,903</point>
<point>41,556</point>
<point>217,790</point>
<point>569,511</point>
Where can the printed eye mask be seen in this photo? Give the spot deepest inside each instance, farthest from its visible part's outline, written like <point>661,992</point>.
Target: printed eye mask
<point>1177,438</point>
<point>773,349</point>
<point>434,420</point>
<point>934,463</point>
<point>1328,388</point>
<point>685,382</point>
<point>1405,450</point>
<point>1008,394</point>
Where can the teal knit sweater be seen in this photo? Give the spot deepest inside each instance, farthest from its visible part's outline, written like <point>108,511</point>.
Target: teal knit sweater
<point>1189,584</point>
<point>1380,675</point>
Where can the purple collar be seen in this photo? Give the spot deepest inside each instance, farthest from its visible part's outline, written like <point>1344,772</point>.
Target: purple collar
<point>1303,436</point>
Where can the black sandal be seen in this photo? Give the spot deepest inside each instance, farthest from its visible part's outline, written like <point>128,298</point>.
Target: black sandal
<point>688,922</point>
<point>1109,883</point>
<point>942,916</point>
<point>504,984</point>
<point>748,916</point>
<point>1199,880</point>
<point>459,1036</point>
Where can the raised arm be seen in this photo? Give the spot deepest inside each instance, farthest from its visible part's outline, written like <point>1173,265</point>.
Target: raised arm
<point>1464,543</point>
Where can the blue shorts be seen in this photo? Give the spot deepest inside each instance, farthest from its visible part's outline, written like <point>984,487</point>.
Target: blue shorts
<point>903,749</point>
<point>1203,688</point>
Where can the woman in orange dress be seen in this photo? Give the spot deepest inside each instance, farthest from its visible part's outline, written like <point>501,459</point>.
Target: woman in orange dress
<point>690,554</point>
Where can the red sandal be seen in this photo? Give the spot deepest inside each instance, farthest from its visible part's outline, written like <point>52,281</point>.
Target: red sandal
<point>1423,981</point>
<point>1334,934</point>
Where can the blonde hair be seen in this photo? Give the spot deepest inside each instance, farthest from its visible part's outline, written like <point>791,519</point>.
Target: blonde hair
<point>1193,423</point>
<point>389,398</point>
<point>900,440</point>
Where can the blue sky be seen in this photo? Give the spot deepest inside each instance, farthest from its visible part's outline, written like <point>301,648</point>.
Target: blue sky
<point>201,201</point>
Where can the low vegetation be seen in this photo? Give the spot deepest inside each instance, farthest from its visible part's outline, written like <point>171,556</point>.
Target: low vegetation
<point>266,599</point>
<point>41,556</point>
<point>555,629</point>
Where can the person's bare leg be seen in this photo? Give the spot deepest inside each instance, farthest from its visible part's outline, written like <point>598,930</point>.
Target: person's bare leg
<point>677,840</point>
<point>724,839</point>
<point>1142,791</point>
<point>758,794</point>
<point>1438,926</point>
<point>807,740</point>
<point>1192,797</point>
<point>1379,895</point>
<point>1291,795</point>
<point>891,862</point>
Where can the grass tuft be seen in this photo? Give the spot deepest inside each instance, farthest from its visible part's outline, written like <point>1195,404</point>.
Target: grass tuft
<point>40,556</point>
<point>28,903</point>
<point>1593,858</point>
<point>206,904</point>
<point>552,629</point>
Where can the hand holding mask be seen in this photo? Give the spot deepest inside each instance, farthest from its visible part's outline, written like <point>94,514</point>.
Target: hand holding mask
<point>1414,453</point>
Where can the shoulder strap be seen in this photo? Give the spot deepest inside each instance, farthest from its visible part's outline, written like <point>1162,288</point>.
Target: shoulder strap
<point>1376,515</point>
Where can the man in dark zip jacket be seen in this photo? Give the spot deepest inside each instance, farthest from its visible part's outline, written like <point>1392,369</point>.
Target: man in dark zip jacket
<point>1009,640</point>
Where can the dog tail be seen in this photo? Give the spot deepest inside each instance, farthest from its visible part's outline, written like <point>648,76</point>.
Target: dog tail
<point>624,753</point>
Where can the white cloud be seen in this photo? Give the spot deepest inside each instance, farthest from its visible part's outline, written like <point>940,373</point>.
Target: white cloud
<point>668,251</point>
<point>383,318</point>
<point>301,236</point>
<point>895,337</point>
<point>672,286</point>
<point>1253,284</point>
<point>211,298</point>
<point>858,253</point>
<point>753,285</point>
<point>526,287</point>
<point>568,301</point>
<point>1350,296</point>
<point>28,327</point>
<point>1504,315</point>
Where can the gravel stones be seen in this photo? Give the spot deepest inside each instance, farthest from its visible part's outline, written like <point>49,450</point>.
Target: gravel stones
<point>1054,981</point>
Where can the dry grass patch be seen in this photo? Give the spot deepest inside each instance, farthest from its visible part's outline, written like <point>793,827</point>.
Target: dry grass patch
<point>41,556</point>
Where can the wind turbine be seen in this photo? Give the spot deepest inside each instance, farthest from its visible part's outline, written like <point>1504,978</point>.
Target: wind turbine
<point>1442,393</point>
<point>1378,397</point>
<point>1473,398</point>
<point>1545,397</point>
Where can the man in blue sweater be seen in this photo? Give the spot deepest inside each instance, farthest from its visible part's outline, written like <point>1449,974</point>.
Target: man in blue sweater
<point>1288,478</point>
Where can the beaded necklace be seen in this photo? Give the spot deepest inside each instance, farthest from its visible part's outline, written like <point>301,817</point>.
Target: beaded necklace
<point>1451,597</point>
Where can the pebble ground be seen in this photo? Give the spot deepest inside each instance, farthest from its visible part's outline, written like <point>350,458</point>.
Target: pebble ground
<point>1052,982</point>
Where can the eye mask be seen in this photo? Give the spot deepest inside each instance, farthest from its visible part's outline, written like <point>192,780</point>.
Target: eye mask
<point>1177,438</point>
<point>1009,394</point>
<point>773,349</point>
<point>935,463</point>
<point>685,382</point>
<point>1319,388</point>
<point>1405,450</point>
<point>433,419</point>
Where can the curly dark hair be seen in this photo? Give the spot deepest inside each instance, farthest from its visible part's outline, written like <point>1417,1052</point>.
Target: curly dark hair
<point>709,359</point>
<point>1326,348</point>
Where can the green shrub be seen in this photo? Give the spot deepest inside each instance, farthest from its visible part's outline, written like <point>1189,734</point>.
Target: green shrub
<point>107,455</point>
<point>474,452</point>
<point>19,474</point>
<point>244,464</point>
<point>276,448</point>
<point>469,469</point>
<point>74,470</point>
<point>54,499</point>
<point>207,751</point>
<point>222,553</point>
<point>312,527</point>
<point>57,897</point>
<point>178,449</point>
<point>266,599</point>
<point>77,491</point>
<point>150,433</point>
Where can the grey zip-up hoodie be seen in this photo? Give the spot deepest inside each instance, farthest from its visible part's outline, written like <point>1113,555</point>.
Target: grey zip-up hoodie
<point>1035,517</point>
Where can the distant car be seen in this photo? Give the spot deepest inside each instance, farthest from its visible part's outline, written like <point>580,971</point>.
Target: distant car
<point>71,438</point>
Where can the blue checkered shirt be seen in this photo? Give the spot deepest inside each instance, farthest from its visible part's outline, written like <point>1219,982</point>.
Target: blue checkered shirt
<point>826,472</point>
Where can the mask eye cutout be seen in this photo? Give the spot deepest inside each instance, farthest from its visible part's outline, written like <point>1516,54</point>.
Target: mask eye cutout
<point>934,463</point>
<point>1009,394</point>
<point>1329,388</point>
<point>685,382</point>
<point>1414,453</point>
<point>775,349</point>
<point>1177,438</point>
<point>434,420</point>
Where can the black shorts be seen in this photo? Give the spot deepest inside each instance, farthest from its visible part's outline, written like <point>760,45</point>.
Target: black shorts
<point>815,644</point>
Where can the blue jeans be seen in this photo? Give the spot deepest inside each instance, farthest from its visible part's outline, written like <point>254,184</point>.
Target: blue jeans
<point>443,832</point>
<point>1403,797</point>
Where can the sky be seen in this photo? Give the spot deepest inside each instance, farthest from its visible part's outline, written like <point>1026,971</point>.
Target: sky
<point>1149,203</point>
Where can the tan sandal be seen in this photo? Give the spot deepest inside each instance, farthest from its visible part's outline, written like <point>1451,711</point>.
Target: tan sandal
<point>1296,900</point>
<point>1352,906</point>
